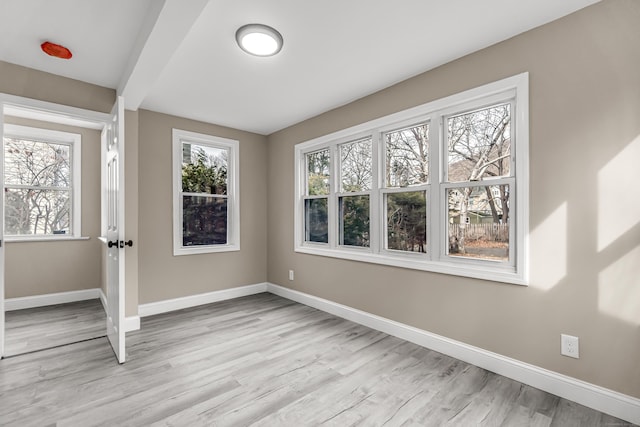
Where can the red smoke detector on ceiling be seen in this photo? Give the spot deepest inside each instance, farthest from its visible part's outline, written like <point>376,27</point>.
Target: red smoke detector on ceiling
<point>56,50</point>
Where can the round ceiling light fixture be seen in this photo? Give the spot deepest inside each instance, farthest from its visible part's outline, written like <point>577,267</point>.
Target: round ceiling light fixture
<point>259,40</point>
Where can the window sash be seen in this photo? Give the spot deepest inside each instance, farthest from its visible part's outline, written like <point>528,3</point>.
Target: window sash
<point>400,127</point>
<point>341,220</point>
<point>384,224</point>
<point>307,221</point>
<point>513,220</point>
<point>477,107</point>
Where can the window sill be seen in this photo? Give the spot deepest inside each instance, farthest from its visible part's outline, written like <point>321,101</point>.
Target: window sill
<point>45,239</point>
<point>204,249</point>
<point>417,262</point>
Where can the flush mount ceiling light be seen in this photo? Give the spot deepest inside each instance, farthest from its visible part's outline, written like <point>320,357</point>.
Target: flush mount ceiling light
<point>259,40</point>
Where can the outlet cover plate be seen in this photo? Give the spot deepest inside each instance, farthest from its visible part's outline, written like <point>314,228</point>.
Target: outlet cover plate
<point>569,346</point>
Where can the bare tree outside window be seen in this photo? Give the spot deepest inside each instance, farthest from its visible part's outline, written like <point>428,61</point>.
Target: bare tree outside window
<point>407,166</point>
<point>407,156</point>
<point>479,149</point>
<point>38,190</point>
<point>355,166</point>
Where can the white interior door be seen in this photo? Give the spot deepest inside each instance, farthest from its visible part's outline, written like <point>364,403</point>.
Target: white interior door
<point>114,210</point>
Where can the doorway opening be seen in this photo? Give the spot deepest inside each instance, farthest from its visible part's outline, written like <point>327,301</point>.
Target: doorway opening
<point>57,286</point>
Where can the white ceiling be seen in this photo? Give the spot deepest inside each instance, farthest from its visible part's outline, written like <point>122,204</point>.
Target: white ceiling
<point>180,57</point>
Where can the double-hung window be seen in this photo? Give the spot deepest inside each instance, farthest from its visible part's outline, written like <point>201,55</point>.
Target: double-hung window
<point>404,189</point>
<point>441,187</point>
<point>41,183</point>
<point>354,197</point>
<point>205,194</point>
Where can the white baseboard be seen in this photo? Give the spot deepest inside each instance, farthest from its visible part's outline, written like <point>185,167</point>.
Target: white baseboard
<point>604,400</point>
<point>103,300</point>
<point>131,323</point>
<point>165,306</point>
<point>20,303</point>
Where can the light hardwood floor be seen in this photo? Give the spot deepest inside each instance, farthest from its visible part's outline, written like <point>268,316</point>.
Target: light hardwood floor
<point>266,361</point>
<point>46,327</point>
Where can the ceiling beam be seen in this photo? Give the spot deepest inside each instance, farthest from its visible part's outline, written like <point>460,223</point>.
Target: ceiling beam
<point>165,27</point>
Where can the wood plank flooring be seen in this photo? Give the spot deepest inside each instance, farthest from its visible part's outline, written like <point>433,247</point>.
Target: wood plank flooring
<point>46,327</point>
<point>266,361</point>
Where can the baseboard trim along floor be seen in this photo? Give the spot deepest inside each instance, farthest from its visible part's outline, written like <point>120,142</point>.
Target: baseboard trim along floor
<point>149,309</point>
<point>21,303</point>
<point>590,395</point>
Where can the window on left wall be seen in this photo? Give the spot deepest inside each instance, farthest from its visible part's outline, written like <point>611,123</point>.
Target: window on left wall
<point>206,211</point>
<point>42,183</point>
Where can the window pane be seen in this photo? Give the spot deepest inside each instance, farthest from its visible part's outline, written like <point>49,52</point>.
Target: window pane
<point>355,165</point>
<point>204,220</point>
<point>316,224</point>
<point>407,221</point>
<point>318,173</point>
<point>37,212</point>
<point>354,221</point>
<point>407,156</point>
<point>479,220</point>
<point>479,144</point>
<point>204,169</point>
<point>35,163</point>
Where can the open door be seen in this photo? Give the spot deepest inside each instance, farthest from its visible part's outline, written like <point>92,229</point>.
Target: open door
<point>114,217</point>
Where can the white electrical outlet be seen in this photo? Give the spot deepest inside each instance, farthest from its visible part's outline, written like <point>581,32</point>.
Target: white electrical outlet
<point>569,346</point>
<point>291,275</point>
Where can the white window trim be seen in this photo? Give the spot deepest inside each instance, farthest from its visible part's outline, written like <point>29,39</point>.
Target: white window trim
<point>58,137</point>
<point>515,87</point>
<point>233,190</point>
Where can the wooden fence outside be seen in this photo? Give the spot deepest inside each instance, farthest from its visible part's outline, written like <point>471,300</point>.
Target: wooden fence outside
<point>488,232</point>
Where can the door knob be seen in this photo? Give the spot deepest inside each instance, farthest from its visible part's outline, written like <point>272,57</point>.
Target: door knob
<point>112,244</point>
<point>127,243</point>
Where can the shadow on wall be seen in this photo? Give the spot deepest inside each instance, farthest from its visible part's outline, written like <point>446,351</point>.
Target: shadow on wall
<point>618,245</point>
<point>618,235</point>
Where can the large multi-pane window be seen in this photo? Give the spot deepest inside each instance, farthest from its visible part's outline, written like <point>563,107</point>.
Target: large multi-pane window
<point>41,183</point>
<point>441,187</point>
<point>205,193</point>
